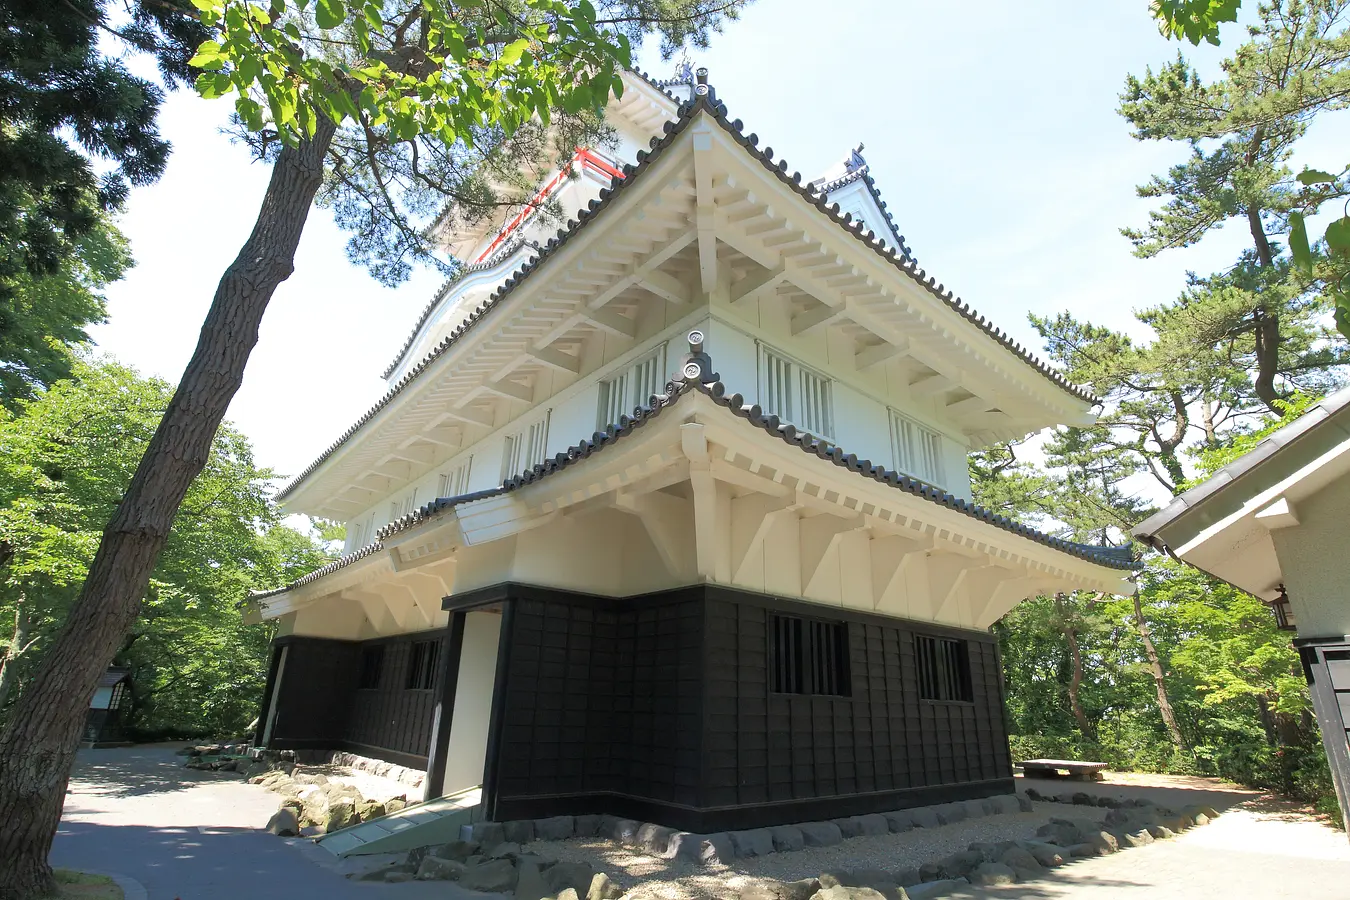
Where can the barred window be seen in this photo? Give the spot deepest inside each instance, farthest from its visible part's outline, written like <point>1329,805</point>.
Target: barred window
<point>808,656</point>
<point>796,394</point>
<point>525,449</point>
<point>372,665</point>
<point>918,450</point>
<point>630,388</point>
<point>455,482</point>
<point>422,665</point>
<point>944,668</point>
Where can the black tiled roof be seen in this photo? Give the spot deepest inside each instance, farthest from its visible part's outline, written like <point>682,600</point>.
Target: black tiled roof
<point>1112,557</point>
<point>688,111</point>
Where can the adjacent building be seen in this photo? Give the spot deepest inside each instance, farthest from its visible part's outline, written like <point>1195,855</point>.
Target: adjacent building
<point>1273,523</point>
<point>666,512</point>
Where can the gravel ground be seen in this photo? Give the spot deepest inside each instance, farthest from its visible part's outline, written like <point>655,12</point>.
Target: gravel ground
<point>660,879</point>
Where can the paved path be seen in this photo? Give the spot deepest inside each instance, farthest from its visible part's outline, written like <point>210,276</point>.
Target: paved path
<point>188,835</point>
<point>181,833</point>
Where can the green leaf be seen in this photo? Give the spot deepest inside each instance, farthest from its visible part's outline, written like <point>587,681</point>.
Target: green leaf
<point>329,13</point>
<point>1298,243</point>
<point>205,5</point>
<point>512,52</point>
<point>213,84</point>
<point>1315,176</point>
<point>208,58</point>
<point>1343,314</point>
<point>1338,236</point>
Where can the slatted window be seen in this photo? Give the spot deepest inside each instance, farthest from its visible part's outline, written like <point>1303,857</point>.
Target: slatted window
<point>625,391</point>
<point>808,656</point>
<point>422,665</point>
<point>455,482</point>
<point>511,456</point>
<point>525,449</point>
<point>796,394</point>
<point>372,665</point>
<point>536,441</point>
<point>944,668</point>
<point>918,450</point>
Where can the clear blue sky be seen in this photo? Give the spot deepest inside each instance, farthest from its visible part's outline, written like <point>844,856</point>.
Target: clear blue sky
<point>990,128</point>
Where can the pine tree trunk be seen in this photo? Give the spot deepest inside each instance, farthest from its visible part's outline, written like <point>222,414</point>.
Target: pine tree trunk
<point>37,747</point>
<point>1076,684</point>
<point>1159,684</point>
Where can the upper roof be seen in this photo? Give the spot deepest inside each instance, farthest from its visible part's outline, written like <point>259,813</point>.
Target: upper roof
<point>701,106</point>
<point>1322,418</point>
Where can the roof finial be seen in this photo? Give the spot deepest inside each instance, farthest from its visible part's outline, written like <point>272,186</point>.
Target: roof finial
<point>696,365</point>
<point>855,159</point>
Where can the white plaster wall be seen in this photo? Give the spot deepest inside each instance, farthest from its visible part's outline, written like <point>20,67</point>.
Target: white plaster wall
<point>473,702</point>
<point>862,425</point>
<point>1313,556</point>
<point>330,617</point>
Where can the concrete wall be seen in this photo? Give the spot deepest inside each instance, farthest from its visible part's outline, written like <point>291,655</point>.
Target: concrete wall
<point>473,702</point>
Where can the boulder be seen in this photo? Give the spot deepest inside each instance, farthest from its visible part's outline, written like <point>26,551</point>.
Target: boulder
<point>841,892</point>
<point>959,865</point>
<point>1023,864</point>
<point>488,834</point>
<point>991,874</point>
<point>369,809</point>
<point>504,850</point>
<point>873,824</point>
<point>923,817</point>
<point>456,850</point>
<point>654,838</point>
<point>1058,831</point>
<point>1200,818</point>
<point>949,813</point>
<point>683,845</point>
<point>1161,832</point>
<point>992,850</point>
<point>1082,798</point>
<point>1024,804</point>
<point>1002,805</point>
<point>586,826</point>
<point>518,832</point>
<point>434,868</point>
<point>313,807</point>
<point>336,791</point>
<point>976,809</point>
<point>820,834</point>
<point>568,894</point>
<point>933,889</point>
<point>556,828</point>
<point>394,804</point>
<point>284,822</point>
<point>1082,851</point>
<point>754,842</point>
<point>339,814</point>
<point>716,848</point>
<point>492,876</point>
<point>1138,838</point>
<point>602,888</point>
<point>310,778</point>
<point>530,884</point>
<point>787,838</point>
<point>850,827</point>
<point>574,875</point>
<point>1046,854</point>
<point>396,877</point>
<point>380,873</point>
<point>901,820</point>
<point>1104,841</point>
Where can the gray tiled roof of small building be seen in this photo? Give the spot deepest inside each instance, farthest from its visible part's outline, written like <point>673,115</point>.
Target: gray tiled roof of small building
<point>688,110</point>
<point>1316,416</point>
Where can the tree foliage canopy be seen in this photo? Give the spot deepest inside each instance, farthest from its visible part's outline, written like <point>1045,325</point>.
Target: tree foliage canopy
<point>65,459</point>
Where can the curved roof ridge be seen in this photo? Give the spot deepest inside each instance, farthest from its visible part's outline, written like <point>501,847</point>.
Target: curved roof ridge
<point>688,110</point>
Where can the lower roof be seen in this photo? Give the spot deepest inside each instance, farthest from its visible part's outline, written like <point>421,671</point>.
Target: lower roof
<point>1111,557</point>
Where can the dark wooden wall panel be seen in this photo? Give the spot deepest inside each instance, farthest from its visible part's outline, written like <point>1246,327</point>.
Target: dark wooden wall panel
<point>390,717</point>
<point>313,698</point>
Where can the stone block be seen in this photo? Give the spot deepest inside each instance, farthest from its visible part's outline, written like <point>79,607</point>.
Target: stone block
<point>456,850</point>
<point>907,877</point>
<point>1021,862</point>
<point>434,868</point>
<point>488,834</point>
<point>959,865</point>
<point>603,889</point>
<point>1024,804</point>
<point>530,884</point>
<point>574,875</point>
<point>848,828</point>
<point>519,831</point>
<point>873,824</point>
<point>504,850</point>
<point>921,817</point>
<point>841,892</point>
<point>820,834</point>
<point>586,826</point>
<point>951,813</point>
<point>975,809</point>
<point>1046,854</point>
<point>284,822</point>
<point>992,874</point>
<point>554,828</point>
<point>623,831</point>
<point>753,842</point>
<point>718,848</point>
<point>902,820</point>
<point>654,838</point>
<point>787,838</point>
<point>492,876</point>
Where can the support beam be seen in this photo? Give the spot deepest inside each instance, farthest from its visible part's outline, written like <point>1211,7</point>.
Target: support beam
<point>820,317</point>
<point>976,404</point>
<point>931,385</point>
<point>704,212</point>
<point>556,359</point>
<point>612,322</point>
<point>878,353</point>
<point>752,286</point>
<point>472,415</point>
<point>672,290</point>
<point>511,390</point>
<point>667,521</point>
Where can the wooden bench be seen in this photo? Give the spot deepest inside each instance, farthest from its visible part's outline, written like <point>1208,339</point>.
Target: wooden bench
<point>1063,768</point>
